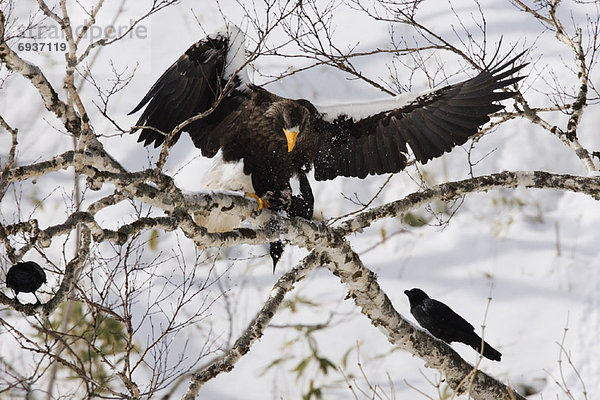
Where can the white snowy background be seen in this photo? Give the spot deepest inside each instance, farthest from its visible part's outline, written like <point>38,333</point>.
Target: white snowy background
<point>535,253</point>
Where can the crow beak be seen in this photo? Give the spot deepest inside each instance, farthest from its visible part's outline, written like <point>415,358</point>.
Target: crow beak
<point>291,135</point>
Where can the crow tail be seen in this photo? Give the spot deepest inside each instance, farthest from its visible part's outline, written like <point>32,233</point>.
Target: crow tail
<point>488,351</point>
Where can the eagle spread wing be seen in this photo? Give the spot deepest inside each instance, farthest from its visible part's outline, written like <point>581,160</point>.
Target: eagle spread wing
<point>197,83</point>
<point>431,125</point>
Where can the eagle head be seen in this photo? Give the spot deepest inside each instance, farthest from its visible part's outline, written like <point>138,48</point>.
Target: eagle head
<point>291,118</point>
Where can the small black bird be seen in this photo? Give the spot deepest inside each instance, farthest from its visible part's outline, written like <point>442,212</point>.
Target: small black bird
<point>445,324</point>
<point>25,277</point>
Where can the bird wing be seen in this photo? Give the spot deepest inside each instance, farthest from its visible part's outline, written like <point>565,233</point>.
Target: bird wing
<point>192,86</point>
<point>451,322</point>
<point>431,125</point>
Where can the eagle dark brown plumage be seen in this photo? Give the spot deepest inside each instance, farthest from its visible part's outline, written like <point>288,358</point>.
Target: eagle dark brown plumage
<point>278,138</point>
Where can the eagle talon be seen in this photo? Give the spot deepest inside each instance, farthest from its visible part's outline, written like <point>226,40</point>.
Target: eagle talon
<point>261,202</point>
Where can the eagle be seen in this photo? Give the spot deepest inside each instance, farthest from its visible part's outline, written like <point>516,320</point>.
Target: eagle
<point>271,139</point>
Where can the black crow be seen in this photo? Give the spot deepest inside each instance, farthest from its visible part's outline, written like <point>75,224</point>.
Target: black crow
<point>445,324</point>
<point>25,277</point>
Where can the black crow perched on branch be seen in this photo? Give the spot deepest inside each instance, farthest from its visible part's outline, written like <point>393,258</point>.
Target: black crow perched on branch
<point>445,324</point>
<point>25,277</point>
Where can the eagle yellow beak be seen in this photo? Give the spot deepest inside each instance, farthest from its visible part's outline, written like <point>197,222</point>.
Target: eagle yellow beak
<point>291,136</point>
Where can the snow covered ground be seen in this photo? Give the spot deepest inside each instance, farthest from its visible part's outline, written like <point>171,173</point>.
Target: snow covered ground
<point>535,253</point>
